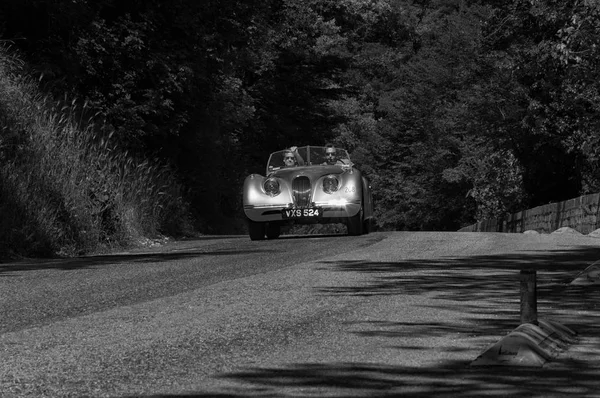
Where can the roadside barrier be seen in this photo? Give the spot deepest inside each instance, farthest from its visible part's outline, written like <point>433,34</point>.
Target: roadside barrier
<point>535,341</point>
<point>581,214</point>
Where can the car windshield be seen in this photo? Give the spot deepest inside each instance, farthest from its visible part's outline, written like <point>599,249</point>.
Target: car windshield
<point>308,156</point>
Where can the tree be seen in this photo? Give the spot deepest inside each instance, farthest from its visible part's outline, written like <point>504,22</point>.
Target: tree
<point>548,47</point>
<point>413,80</point>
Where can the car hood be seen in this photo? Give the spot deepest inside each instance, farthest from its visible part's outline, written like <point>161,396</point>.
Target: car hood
<point>312,172</point>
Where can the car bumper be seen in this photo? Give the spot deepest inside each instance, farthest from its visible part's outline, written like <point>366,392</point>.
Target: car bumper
<point>331,212</point>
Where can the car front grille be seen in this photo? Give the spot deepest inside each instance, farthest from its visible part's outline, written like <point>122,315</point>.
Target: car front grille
<point>301,190</point>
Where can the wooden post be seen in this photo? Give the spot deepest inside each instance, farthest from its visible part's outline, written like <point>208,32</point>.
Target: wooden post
<point>528,296</point>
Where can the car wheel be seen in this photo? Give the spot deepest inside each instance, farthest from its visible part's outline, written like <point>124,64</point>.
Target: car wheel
<point>273,231</point>
<point>355,224</point>
<point>256,230</point>
<point>367,226</point>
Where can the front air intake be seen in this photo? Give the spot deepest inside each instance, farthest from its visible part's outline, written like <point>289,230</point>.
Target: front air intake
<point>301,190</point>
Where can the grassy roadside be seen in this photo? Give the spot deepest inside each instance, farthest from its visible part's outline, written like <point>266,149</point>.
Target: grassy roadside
<point>66,188</point>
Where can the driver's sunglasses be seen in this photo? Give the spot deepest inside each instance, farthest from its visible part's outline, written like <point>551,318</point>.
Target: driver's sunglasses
<point>288,158</point>
<point>330,155</point>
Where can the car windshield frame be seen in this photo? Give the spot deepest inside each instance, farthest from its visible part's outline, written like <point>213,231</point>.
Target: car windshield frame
<point>308,156</point>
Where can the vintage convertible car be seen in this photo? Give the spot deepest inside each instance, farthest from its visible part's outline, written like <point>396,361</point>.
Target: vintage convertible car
<point>313,189</point>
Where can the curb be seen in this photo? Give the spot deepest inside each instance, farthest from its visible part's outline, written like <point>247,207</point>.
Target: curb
<point>528,345</point>
<point>531,344</point>
<point>589,276</point>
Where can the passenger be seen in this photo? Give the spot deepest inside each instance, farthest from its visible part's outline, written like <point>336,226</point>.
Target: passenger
<point>291,158</point>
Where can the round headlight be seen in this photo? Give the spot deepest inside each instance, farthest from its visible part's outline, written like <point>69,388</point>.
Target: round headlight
<point>330,184</point>
<point>271,186</point>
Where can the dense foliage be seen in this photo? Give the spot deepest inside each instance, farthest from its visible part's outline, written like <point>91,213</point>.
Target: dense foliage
<point>456,109</point>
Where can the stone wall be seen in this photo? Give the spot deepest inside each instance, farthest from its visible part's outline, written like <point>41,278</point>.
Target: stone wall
<point>581,214</point>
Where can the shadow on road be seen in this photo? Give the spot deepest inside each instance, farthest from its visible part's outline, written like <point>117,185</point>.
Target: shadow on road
<point>493,278</point>
<point>451,274</point>
<point>381,381</point>
<point>181,250</point>
<point>102,260</point>
<point>471,281</point>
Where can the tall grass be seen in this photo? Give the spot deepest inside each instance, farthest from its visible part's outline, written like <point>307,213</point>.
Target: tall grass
<point>65,186</point>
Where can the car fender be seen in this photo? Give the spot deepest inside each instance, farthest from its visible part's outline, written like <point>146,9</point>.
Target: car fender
<point>255,196</point>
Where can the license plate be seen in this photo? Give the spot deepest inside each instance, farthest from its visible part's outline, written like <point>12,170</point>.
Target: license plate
<point>309,212</point>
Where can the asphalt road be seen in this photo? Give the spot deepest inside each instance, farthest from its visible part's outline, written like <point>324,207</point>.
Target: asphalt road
<point>386,314</point>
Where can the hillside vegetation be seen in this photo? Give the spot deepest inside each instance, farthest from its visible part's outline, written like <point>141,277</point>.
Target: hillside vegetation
<point>124,118</point>
<point>65,188</point>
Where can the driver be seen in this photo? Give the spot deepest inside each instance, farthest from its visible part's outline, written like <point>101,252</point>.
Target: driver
<point>331,156</point>
<point>291,158</point>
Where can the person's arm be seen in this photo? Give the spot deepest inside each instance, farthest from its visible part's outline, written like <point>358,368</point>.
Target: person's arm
<point>299,159</point>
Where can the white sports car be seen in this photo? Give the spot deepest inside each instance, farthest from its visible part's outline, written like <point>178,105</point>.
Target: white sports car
<point>307,185</point>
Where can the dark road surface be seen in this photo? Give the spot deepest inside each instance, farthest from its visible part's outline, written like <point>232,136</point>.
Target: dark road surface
<point>40,292</point>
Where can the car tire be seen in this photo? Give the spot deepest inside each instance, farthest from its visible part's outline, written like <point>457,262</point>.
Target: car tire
<point>256,230</point>
<point>367,226</point>
<point>273,231</point>
<point>355,224</point>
